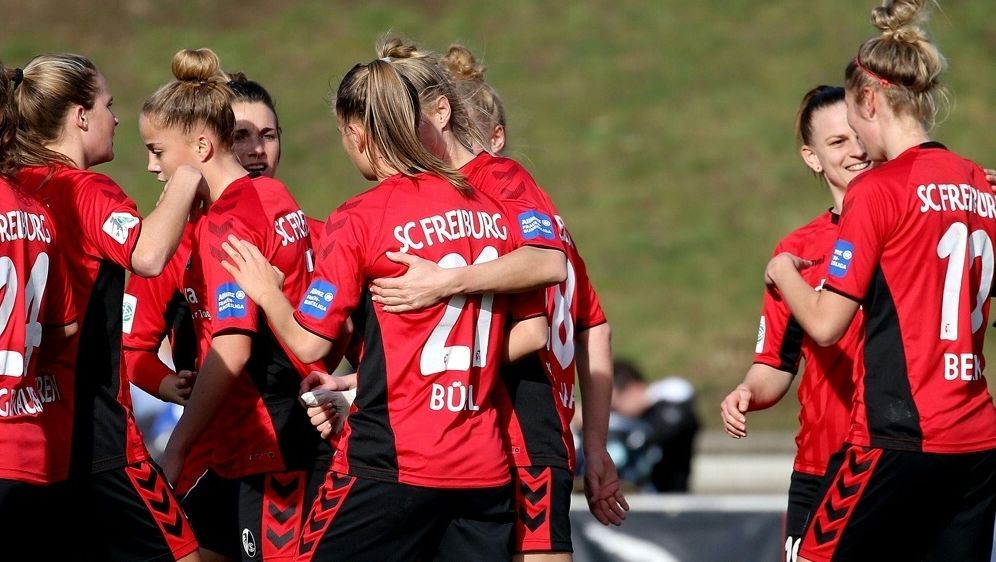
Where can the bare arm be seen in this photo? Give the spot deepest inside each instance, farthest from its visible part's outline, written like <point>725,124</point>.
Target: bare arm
<point>601,483</point>
<point>161,230</point>
<point>425,283</point>
<point>824,315</point>
<point>763,386</point>
<point>225,360</point>
<point>262,283</point>
<point>525,337</point>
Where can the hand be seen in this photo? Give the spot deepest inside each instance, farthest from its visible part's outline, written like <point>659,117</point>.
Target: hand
<point>733,408</point>
<point>423,285</point>
<point>991,178</point>
<point>250,269</point>
<point>781,260</point>
<point>324,418</point>
<point>189,175</point>
<point>176,387</point>
<point>318,379</point>
<point>601,487</point>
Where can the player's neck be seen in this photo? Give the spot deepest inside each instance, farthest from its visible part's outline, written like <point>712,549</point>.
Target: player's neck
<point>221,174</point>
<point>903,135</point>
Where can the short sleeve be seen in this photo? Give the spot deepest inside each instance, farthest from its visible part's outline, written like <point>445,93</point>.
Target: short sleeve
<point>232,311</point>
<point>531,304</point>
<point>146,303</point>
<point>109,219</point>
<point>589,308</point>
<point>779,336</point>
<point>338,281</point>
<point>531,213</point>
<point>867,219</point>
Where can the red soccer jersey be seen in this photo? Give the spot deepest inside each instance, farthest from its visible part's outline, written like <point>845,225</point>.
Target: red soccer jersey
<point>915,248</point>
<point>34,293</point>
<point>827,385</point>
<point>538,401</point>
<point>155,308</point>
<point>262,424</point>
<point>423,413</point>
<point>99,226</point>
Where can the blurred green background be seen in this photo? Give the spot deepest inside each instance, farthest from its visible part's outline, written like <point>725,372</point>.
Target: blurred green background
<point>662,130</point>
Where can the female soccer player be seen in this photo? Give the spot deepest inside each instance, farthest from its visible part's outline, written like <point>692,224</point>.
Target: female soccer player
<point>66,127</point>
<point>915,479</point>
<point>539,400</point>
<point>246,385</point>
<point>36,314</point>
<point>159,304</point>
<point>832,151</point>
<point>420,467</point>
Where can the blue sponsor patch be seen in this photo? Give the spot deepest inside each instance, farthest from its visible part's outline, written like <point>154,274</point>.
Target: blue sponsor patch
<point>318,299</point>
<point>231,301</point>
<point>840,260</point>
<point>535,224</point>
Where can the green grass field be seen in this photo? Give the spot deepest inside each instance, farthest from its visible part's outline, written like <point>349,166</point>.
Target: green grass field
<point>663,130</point>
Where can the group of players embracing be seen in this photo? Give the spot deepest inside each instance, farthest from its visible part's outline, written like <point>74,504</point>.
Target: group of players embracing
<point>452,286</point>
<point>897,448</point>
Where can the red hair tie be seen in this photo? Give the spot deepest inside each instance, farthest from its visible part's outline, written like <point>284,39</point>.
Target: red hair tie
<point>884,82</point>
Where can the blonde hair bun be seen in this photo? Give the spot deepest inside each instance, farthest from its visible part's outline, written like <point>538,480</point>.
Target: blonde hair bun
<point>200,65</point>
<point>461,64</point>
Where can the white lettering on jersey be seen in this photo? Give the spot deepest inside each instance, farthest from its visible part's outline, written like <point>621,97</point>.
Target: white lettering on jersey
<point>20,225</point>
<point>950,197</point>
<point>456,398</point>
<point>452,225</point>
<point>291,227</point>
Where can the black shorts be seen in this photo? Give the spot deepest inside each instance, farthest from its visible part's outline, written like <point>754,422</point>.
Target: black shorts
<point>361,519</point>
<point>132,515</point>
<point>35,523</point>
<point>880,504</point>
<point>212,505</point>
<point>258,517</point>
<point>542,509</point>
<point>802,496</point>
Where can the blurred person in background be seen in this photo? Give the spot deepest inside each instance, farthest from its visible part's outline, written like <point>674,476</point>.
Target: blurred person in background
<point>653,428</point>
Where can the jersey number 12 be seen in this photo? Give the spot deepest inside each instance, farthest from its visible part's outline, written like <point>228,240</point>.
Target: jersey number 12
<point>954,246</point>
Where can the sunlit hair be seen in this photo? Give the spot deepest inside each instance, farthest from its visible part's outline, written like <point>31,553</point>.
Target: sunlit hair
<point>198,97</point>
<point>424,69</point>
<point>467,74</point>
<point>250,91</point>
<point>901,63</point>
<point>9,80</point>
<point>386,103</point>
<point>51,85</point>
<point>815,100</point>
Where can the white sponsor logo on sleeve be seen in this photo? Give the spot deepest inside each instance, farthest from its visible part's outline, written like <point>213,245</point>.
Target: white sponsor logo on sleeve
<point>118,225</point>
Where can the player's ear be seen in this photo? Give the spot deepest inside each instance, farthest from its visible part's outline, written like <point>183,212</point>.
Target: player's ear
<point>441,111</point>
<point>810,158</point>
<point>203,147</point>
<point>358,137</point>
<point>77,116</point>
<point>498,139</point>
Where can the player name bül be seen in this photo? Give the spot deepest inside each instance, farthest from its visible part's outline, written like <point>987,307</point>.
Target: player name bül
<point>951,197</point>
<point>19,225</point>
<point>451,225</point>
